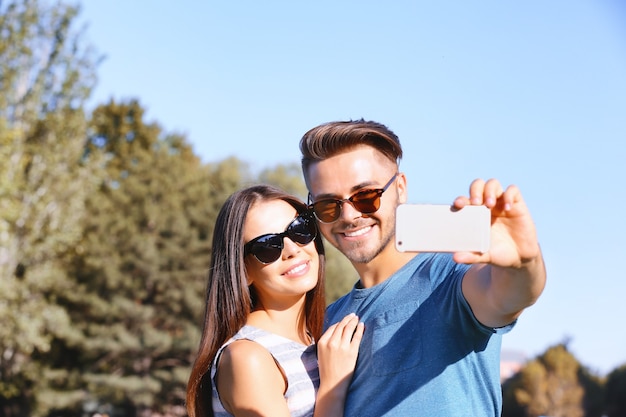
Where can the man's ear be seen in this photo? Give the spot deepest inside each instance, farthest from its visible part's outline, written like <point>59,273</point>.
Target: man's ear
<point>403,191</point>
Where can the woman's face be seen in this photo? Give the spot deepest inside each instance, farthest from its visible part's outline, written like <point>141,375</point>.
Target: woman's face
<point>295,272</point>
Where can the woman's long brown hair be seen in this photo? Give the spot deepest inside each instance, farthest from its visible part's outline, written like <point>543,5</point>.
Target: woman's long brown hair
<point>229,299</point>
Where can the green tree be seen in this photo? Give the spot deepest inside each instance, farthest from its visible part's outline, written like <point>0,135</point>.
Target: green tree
<point>594,388</point>
<point>511,407</point>
<point>340,274</point>
<point>140,265</point>
<point>46,74</point>
<point>288,177</point>
<point>547,385</point>
<point>616,393</point>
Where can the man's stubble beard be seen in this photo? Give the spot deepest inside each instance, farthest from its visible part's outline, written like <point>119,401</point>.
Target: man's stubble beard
<point>363,258</point>
<point>357,256</point>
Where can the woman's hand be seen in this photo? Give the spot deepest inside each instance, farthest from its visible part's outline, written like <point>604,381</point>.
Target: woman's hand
<point>337,351</point>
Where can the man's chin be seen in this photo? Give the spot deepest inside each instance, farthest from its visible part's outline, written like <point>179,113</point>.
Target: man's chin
<point>360,255</point>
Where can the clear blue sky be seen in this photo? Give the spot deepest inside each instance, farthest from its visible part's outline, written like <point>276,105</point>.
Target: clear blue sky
<point>532,93</point>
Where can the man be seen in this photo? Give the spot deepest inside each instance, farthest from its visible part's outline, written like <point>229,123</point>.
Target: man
<point>433,322</point>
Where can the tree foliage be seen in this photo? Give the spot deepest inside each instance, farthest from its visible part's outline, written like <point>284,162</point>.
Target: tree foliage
<point>140,263</point>
<point>288,177</point>
<point>340,274</point>
<point>554,384</point>
<point>45,76</point>
<point>616,392</point>
<point>593,387</point>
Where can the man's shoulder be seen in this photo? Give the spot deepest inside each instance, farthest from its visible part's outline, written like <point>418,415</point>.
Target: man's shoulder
<point>337,305</point>
<point>339,301</point>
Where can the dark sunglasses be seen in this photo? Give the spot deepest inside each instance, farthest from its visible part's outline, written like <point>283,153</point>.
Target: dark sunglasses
<point>267,248</point>
<point>365,201</point>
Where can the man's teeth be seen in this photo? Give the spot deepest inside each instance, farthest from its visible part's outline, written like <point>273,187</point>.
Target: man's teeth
<point>358,232</point>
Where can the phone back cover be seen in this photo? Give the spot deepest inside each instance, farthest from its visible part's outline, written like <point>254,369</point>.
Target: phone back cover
<point>440,228</point>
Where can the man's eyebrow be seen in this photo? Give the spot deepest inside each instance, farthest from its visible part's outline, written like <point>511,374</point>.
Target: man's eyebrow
<point>363,185</point>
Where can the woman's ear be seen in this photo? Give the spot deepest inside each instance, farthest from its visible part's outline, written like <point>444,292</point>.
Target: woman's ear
<point>249,279</point>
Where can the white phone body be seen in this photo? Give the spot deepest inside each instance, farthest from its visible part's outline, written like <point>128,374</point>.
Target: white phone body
<point>442,228</point>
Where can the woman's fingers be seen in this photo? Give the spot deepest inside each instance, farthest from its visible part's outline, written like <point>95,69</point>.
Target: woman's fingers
<point>343,333</point>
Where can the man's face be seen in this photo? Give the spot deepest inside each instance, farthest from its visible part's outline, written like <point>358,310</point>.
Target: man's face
<point>360,237</point>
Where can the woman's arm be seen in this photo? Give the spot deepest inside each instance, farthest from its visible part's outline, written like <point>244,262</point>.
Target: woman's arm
<point>250,383</point>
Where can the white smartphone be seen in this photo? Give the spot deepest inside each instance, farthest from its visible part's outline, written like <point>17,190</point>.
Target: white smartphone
<point>442,228</point>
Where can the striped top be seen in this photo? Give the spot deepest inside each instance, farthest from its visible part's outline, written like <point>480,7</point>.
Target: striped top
<point>299,364</point>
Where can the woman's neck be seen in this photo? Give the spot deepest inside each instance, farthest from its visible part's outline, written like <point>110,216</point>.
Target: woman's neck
<point>289,323</point>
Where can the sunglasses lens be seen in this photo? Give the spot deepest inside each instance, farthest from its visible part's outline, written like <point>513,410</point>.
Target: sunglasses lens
<point>327,210</point>
<point>302,230</point>
<point>267,249</point>
<point>367,201</point>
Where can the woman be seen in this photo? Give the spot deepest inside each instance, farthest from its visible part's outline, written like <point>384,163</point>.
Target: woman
<point>264,311</point>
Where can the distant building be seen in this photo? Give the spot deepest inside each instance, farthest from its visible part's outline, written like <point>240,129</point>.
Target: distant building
<point>511,361</point>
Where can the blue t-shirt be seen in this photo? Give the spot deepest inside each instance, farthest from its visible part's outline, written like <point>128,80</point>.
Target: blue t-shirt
<point>423,352</point>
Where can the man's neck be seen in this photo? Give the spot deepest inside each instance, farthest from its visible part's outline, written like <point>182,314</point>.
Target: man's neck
<point>382,267</point>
